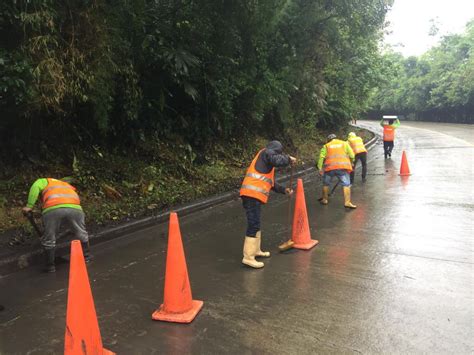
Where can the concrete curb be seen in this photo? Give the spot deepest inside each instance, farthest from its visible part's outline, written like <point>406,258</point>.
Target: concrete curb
<point>26,258</point>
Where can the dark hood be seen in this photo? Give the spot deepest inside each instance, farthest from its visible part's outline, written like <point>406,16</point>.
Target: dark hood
<point>275,146</point>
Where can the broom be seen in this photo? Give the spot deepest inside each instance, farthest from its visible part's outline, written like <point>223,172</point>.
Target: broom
<point>289,243</point>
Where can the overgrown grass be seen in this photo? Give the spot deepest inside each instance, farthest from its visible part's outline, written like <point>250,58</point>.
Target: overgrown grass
<point>115,186</point>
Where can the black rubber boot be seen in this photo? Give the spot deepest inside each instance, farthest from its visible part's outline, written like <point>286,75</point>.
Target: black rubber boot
<point>49,256</point>
<point>86,251</point>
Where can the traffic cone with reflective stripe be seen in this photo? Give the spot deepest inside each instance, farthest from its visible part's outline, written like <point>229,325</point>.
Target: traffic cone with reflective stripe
<point>404,168</point>
<point>301,234</point>
<point>178,305</point>
<point>82,328</point>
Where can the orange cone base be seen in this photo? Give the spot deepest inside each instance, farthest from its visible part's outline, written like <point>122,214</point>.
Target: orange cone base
<point>186,317</point>
<point>306,246</point>
<point>107,352</point>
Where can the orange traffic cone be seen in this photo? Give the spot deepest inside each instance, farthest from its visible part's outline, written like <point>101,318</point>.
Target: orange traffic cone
<point>178,305</point>
<point>404,169</point>
<point>82,329</point>
<point>301,235</point>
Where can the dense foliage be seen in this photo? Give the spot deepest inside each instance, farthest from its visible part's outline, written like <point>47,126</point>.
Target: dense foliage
<point>439,85</point>
<point>123,72</point>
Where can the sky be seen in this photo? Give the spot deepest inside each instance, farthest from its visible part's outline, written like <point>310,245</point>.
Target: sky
<point>410,23</point>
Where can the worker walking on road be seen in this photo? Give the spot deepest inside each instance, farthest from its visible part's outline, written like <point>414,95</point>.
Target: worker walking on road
<point>60,203</point>
<point>255,190</point>
<point>389,127</point>
<point>358,147</point>
<point>337,156</point>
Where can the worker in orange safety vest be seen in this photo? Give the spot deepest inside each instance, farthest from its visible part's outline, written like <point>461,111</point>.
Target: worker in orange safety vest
<point>255,191</point>
<point>60,203</point>
<point>389,127</point>
<point>358,147</point>
<point>337,156</point>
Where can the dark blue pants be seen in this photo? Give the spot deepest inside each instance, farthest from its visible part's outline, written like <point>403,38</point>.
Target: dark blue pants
<point>363,159</point>
<point>252,210</point>
<point>387,148</point>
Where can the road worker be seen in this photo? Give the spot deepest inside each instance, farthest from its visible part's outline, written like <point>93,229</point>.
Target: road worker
<point>358,147</point>
<point>389,127</point>
<point>255,190</point>
<point>337,156</point>
<point>60,203</point>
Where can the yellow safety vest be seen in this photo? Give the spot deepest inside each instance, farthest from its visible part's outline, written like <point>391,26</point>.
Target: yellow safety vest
<point>357,145</point>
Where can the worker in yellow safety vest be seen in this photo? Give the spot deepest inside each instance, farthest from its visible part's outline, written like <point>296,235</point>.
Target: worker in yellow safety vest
<point>358,147</point>
<point>337,156</point>
<point>255,190</point>
<point>60,203</point>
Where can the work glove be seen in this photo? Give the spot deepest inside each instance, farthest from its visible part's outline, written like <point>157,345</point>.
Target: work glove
<point>26,211</point>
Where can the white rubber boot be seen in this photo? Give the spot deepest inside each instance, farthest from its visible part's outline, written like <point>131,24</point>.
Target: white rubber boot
<point>263,254</point>
<point>250,250</point>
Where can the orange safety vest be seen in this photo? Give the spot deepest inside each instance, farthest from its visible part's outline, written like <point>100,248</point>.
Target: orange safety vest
<point>336,156</point>
<point>58,192</point>
<point>388,133</point>
<point>357,145</point>
<point>255,184</point>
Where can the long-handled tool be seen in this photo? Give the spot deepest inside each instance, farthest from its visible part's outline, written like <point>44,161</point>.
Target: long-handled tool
<point>289,243</point>
<point>332,190</point>
<point>31,219</point>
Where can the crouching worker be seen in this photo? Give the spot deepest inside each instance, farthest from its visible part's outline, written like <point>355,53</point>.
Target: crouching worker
<point>337,156</point>
<point>60,203</point>
<point>358,147</point>
<point>255,190</point>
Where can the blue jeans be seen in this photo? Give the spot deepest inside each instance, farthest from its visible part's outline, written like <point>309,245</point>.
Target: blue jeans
<point>341,174</point>
<point>252,210</point>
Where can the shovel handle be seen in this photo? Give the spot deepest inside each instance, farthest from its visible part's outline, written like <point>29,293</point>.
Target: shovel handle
<point>334,188</point>
<point>289,201</point>
<point>29,216</point>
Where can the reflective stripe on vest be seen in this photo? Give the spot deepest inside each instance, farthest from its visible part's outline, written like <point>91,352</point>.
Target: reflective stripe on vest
<point>255,184</point>
<point>388,133</point>
<point>260,177</point>
<point>357,145</point>
<point>255,188</point>
<point>336,157</point>
<point>59,193</point>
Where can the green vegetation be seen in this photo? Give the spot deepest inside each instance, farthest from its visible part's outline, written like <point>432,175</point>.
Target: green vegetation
<point>115,74</point>
<point>149,103</point>
<point>437,86</point>
<point>116,187</point>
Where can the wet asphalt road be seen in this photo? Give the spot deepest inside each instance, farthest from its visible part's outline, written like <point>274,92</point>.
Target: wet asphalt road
<point>394,276</point>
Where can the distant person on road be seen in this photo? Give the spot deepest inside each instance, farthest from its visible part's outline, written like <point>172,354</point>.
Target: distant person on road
<point>389,135</point>
<point>255,190</point>
<point>60,203</point>
<point>358,147</point>
<point>337,156</point>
